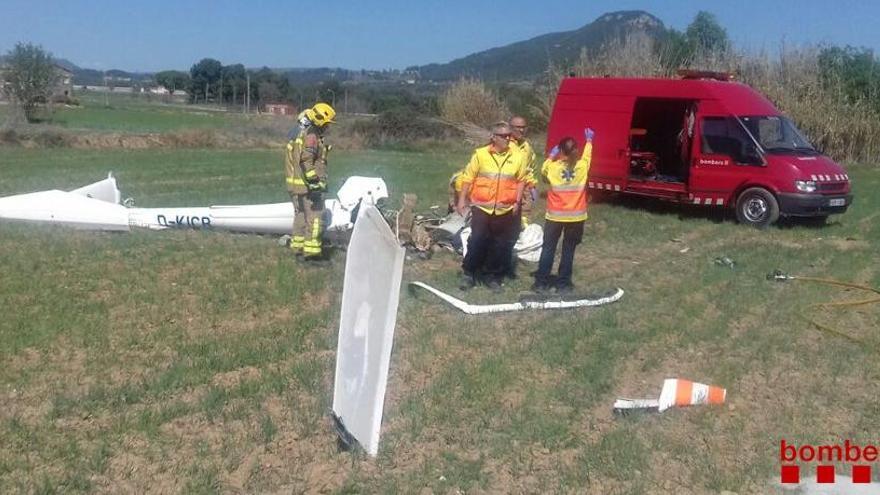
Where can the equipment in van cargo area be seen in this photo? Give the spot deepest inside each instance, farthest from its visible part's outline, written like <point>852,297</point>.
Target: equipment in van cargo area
<point>702,140</point>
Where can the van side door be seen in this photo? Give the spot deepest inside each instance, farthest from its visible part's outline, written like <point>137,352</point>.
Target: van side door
<point>724,157</point>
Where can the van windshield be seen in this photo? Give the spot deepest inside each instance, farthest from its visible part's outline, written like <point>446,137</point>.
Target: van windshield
<point>778,135</point>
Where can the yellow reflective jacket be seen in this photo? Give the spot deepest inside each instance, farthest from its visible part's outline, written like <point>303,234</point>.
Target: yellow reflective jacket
<point>305,159</point>
<point>455,184</point>
<point>567,195</point>
<point>494,178</point>
<point>528,153</point>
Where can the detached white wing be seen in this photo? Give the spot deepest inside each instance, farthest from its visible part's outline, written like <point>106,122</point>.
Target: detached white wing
<point>373,270</point>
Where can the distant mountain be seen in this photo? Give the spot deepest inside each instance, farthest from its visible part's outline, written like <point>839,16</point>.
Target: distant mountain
<point>526,59</point>
<point>523,60</point>
<point>67,64</point>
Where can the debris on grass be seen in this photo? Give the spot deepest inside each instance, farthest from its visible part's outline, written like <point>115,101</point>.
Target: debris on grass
<point>528,303</point>
<point>675,393</point>
<point>725,261</point>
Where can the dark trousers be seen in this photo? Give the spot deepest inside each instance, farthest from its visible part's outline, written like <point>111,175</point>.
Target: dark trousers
<point>571,233</point>
<point>492,236</point>
<point>510,258</point>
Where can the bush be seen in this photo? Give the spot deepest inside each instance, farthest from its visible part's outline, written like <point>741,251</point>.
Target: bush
<point>469,100</point>
<point>844,127</point>
<point>400,127</point>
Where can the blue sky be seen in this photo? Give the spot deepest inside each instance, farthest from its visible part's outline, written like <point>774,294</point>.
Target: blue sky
<point>381,34</point>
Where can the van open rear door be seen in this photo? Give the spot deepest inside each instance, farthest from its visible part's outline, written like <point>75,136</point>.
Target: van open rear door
<point>610,117</point>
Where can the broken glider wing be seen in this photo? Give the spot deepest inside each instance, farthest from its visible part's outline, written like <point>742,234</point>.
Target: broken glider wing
<point>370,294</point>
<point>480,309</point>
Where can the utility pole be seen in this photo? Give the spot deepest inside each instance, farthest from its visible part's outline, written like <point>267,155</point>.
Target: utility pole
<point>345,105</point>
<point>247,97</point>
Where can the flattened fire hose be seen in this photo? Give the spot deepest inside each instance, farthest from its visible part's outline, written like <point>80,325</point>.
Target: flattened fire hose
<point>782,277</point>
<point>481,309</point>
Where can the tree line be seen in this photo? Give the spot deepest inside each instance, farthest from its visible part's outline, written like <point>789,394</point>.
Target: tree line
<point>210,81</point>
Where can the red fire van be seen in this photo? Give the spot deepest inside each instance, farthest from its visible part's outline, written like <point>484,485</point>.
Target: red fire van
<point>701,140</point>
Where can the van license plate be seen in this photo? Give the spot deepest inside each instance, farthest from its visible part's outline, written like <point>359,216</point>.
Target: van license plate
<point>837,202</point>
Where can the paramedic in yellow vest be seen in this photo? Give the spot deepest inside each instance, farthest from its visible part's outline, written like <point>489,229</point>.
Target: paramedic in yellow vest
<point>566,175</point>
<point>493,183</point>
<point>518,128</point>
<point>455,185</point>
<point>305,166</point>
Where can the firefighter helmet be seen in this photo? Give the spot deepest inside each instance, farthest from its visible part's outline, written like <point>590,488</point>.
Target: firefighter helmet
<point>321,114</point>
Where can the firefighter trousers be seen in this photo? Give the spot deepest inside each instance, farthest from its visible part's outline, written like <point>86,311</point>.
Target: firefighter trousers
<point>307,227</point>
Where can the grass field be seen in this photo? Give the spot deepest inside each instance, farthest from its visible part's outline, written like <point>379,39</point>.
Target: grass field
<point>201,362</point>
<point>132,113</point>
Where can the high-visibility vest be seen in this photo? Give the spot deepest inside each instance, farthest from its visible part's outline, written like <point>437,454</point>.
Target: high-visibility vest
<point>528,159</point>
<point>567,195</point>
<point>494,178</point>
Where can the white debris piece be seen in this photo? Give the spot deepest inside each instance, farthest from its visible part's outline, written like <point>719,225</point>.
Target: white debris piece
<point>371,291</point>
<point>478,309</point>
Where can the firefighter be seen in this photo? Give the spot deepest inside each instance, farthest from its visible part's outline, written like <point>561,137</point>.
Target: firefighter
<point>493,183</point>
<point>305,166</point>
<point>518,141</point>
<point>566,210</point>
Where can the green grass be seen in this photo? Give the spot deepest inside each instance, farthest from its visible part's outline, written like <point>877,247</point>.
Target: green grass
<point>203,362</point>
<point>133,113</point>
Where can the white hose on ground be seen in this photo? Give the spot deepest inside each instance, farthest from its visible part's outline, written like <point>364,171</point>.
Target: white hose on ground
<point>480,309</point>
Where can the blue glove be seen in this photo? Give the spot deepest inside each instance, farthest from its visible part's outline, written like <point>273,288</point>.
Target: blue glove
<point>588,134</point>
<point>554,152</point>
<point>534,192</point>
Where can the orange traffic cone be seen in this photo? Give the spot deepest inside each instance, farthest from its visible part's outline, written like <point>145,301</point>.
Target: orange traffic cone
<point>677,392</point>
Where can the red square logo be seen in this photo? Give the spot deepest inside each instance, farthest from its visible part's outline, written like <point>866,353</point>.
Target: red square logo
<point>861,474</point>
<point>824,474</point>
<point>790,474</point>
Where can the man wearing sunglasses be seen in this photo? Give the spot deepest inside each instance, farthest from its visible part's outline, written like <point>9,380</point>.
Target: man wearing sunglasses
<point>492,187</point>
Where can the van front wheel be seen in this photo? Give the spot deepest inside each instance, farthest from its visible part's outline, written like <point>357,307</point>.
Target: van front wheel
<point>757,207</point>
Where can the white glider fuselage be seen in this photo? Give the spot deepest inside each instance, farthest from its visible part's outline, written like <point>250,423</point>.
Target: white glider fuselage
<point>97,207</point>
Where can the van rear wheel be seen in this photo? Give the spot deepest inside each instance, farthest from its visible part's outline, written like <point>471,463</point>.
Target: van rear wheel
<point>757,207</point>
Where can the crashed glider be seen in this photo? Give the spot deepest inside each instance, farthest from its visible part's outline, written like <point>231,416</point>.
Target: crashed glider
<point>98,206</point>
